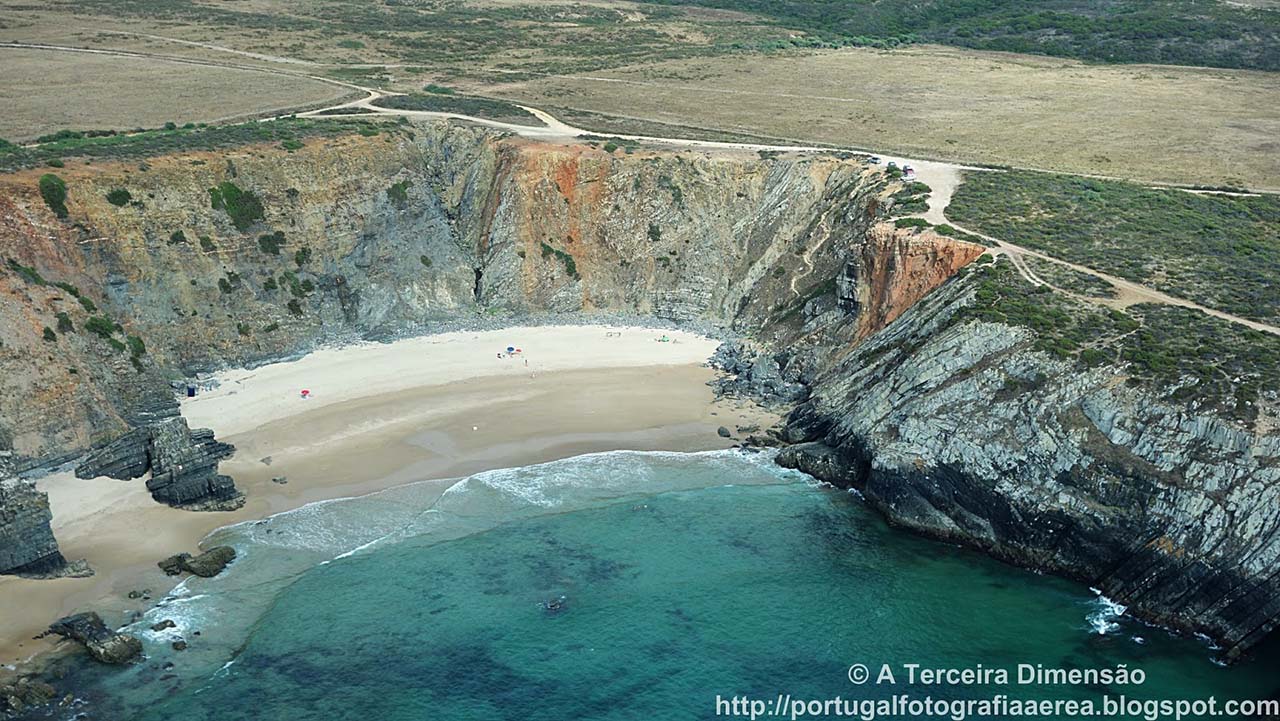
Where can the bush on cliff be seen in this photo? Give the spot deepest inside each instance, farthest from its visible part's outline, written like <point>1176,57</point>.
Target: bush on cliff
<point>54,191</point>
<point>242,206</point>
<point>270,243</point>
<point>119,197</point>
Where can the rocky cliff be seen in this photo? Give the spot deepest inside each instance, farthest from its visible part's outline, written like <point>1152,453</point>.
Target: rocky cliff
<point>955,419</point>
<point>192,262</point>
<point>979,433</point>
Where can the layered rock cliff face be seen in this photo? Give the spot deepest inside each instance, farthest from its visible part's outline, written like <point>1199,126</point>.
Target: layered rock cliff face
<point>369,236</point>
<point>960,430</point>
<point>963,430</point>
<point>27,545</point>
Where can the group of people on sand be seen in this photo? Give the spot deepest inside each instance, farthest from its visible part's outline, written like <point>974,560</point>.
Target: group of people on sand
<point>513,352</point>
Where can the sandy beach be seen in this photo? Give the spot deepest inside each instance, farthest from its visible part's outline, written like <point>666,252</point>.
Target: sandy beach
<point>376,416</point>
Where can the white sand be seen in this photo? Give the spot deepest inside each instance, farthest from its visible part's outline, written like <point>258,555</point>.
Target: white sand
<point>247,399</point>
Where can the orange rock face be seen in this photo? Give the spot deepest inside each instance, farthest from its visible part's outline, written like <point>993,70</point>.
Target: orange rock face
<point>901,267</point>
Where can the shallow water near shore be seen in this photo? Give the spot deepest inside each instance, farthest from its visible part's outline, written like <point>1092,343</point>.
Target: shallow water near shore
<point>614,586</point>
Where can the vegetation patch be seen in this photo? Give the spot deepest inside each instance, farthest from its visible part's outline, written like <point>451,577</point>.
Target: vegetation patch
<point>570,266</point>
<point>477,107</point>
<point>399,193</point>
<point>270,243</point>
<point>119,197</point>
<point>299,288</point>
<point>1220,251</point>
<point>1184,354</point>
<point>1174,32</point>
<point>242,206</point>
<point>27,273</point>
<point>148,143</point>
<point>54,191</point>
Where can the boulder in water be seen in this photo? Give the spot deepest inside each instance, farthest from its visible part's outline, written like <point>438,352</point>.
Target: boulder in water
<point>206,565</point>
<point>102,643</point>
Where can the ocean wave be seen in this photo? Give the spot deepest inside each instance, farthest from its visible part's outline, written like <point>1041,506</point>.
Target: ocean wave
<point>1103,619</point>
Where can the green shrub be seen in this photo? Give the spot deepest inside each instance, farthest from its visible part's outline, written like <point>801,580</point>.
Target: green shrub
<point>655,233</point>
<point>439,89</point>
<point>64,323</point>
<point>88,305</point>
<point>270,283</point>
<point>426,262</point>
<point>176,237</point>
<point>610,147</point>
<point>291,145</point>
<point>136,347</point>
<point>55,163</point>
<point>119,197</point>
<point>295,307</point>
<point>206,244</point>
<point>271,328</point>
<point>302,256</point>
<point>351,44</point>
<point>911,223</point>
<point>54,191</point>
<point>270,243</point>
<point>243,329</point>
<point>570,266</point>
<point>49,335</point>
<point>299,288</point>
<point>242,206</point>
<point>101,325</point>
<point>29,274</point>
<point>399,193</point>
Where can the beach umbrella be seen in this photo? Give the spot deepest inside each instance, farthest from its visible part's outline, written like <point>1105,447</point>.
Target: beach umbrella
<point>511,349</point>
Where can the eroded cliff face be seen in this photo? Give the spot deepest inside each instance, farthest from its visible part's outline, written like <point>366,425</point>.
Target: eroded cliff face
<point>964,431</point>
<point>958,430</point>
<point>27,545</point>
<point>402,232</point>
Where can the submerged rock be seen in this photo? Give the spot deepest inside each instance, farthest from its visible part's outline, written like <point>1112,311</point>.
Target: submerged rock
<point>102,643</point>
<point>206,565</point>
<point>21,694</point>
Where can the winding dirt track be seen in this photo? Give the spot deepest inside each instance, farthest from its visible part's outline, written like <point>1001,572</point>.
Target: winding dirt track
<point>942,178</point>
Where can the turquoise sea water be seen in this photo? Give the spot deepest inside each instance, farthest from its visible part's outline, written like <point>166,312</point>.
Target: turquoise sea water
<point>616,586</point>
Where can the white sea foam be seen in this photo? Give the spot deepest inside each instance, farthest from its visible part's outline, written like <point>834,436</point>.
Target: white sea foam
<point>1103,619</point>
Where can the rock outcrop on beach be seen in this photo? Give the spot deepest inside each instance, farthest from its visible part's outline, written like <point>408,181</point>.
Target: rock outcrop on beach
<point>183,464</point>
<point>206,565</point>
<point>103,644</point>
<point>27,546</point>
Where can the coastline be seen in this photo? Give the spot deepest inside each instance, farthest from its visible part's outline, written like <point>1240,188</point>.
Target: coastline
<point>380,415</point>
